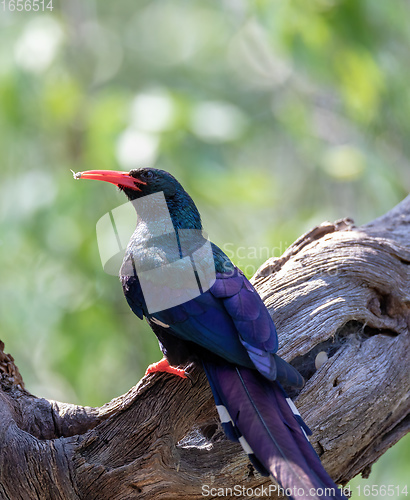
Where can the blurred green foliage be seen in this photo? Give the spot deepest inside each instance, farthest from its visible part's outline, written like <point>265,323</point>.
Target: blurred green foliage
<point>275,116</point>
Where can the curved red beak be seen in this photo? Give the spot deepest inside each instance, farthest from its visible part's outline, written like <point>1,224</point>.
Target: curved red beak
<point>115,177</point>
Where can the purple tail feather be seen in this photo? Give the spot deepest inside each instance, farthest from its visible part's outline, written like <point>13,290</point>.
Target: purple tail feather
<point>257,413</point>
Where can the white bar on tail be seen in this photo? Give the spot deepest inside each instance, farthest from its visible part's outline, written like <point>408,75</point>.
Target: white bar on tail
<point>245,445</point>
<point>292,406</point>
<point>296,412</point>
<point>223,414</point>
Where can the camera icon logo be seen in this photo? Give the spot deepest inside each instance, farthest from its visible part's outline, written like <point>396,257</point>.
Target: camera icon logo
<point>173,265</point>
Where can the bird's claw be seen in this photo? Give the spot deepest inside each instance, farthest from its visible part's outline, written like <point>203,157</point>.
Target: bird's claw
<point>190,378</point>
<point>190,373</point>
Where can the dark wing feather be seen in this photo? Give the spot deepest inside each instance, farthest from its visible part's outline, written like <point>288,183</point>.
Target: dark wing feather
<point>229,319</point>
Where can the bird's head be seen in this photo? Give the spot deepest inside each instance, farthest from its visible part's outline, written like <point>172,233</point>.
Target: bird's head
<point>138,182</point>
<point>142,182</point>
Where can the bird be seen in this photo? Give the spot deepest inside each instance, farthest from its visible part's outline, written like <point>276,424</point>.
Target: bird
<point>204,311</point>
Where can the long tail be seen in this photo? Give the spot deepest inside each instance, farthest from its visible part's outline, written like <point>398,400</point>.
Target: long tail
<point>257,413</point>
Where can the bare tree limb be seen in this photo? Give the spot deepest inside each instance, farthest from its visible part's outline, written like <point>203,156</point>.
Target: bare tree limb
<point>338,289</point>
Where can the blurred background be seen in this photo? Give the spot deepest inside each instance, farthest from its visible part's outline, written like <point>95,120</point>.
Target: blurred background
<point>274,115</point>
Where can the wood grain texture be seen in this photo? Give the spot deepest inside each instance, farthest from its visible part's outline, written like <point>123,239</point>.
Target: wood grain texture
<point>339,289</point>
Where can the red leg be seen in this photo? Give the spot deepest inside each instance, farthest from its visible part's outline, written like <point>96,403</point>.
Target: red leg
<point>164,366</point>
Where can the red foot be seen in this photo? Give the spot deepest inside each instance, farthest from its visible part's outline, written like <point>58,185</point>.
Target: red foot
<point>164,366</point>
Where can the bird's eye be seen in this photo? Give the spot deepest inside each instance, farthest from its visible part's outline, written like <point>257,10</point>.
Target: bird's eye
<point>149,174</point>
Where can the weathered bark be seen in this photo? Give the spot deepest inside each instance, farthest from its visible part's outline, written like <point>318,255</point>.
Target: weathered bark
<point>339,289</point>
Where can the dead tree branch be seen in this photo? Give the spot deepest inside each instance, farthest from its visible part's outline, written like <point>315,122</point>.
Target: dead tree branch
<point>339,289</point>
